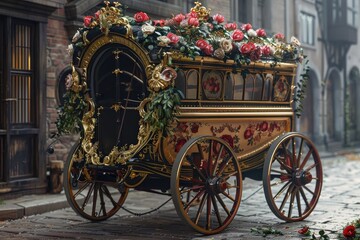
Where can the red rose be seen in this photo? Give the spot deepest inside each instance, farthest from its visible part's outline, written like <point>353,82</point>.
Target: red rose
<point>264,126</point>
<point>179,144</point>
<point>266,51</point>
<point>194,128</point>
<point>261,32</point>
<point>229,139</point>
<point>304,230</point>
<point>230,26</point>
<point>248,133</point>
<point>97,14</point>
<point>349,231</point>
<point>201,43</point>
<point>255,54</point>
<point>208,50</point>
<point>160,22</point>
<point>210,26</point>
<point>246,27</point>
<point>87,21</point>
<point>178,18</point>
<point>247,48</point>
<point>173,38</point>
<point>192,14</point>
<point>279,36</point>
<point>218,18</point>
<point>193,21</point>
<point>141,17</point>
<point>237,35</point>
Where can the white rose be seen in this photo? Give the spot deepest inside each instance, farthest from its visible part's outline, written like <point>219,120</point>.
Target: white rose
<point>295,41</point>
<point>76,36</point>
<point>219,53</point>
<point>251,33</point>
<point>163,41</point>
<point>226,44</point>
<point>70,49</point>
<point>147,29</point>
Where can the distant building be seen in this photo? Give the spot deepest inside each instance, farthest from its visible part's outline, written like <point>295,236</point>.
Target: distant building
<point>34,35</point>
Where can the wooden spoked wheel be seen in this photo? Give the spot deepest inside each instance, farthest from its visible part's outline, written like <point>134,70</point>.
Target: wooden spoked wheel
<point>292,177</point>
<point>94,196</point>
<point>206,184</point>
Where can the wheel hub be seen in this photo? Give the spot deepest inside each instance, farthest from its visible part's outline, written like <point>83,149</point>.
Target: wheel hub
<point>302,177</point>
<point>216,185</point>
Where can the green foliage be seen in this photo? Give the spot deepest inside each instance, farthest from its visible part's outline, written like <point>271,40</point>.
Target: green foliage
<point>162,109</point>
<point>266,231</point>
<point>70,114</point>
<point>300,89</point>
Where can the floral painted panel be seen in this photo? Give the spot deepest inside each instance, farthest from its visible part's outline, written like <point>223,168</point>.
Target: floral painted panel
<point>244,135</point>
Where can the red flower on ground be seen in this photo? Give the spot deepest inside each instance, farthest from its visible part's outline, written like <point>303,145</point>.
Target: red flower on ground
<point>237,35</point>
<point>141,17</point>
<point>349,231</point>
<point>304,230</point>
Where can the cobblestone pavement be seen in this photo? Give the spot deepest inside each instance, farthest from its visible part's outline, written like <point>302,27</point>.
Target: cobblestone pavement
<point>339,203</point>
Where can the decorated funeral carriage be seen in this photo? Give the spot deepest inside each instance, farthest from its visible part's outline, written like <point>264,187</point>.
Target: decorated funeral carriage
<point>188,106</point>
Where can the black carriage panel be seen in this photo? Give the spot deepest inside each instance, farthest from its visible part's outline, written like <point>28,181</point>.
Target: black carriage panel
<point>117,86</point>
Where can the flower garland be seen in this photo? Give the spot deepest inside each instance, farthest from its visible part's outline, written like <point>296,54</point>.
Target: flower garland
<point>196,33</point>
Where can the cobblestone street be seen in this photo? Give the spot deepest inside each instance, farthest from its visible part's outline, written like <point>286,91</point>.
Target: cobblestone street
<point>339,204</point>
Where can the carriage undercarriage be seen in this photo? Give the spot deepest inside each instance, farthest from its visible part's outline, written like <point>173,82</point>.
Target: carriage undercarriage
<point>194,133</point>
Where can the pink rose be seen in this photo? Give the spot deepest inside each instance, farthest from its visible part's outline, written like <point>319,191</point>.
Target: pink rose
<point>87,21</point>
<point>201,43</point>
<point>279,36</point>
<point>192,14</point>
<point>247,48</point>
<point>230,26</point>
<point>173,38</point>
<point>218,18</point>
<point>237,35</point>
<point>261,32</point>
<point>208,50</point>
<point>178,18</point>
<point>193,21</point>
<point>160,22</point>
<point>141,17</point>
<point>266,50</point>
<point>97,14</point>
<point>246,27</point>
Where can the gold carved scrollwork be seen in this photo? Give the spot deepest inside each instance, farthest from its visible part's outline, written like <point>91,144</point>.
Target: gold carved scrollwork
<point>76,86</point>
<point>159,79</point>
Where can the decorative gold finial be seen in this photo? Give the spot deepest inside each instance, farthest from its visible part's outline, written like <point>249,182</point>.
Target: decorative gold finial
<point>203,12</point>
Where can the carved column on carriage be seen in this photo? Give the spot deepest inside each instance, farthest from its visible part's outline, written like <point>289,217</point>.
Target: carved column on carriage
<point>338,34</point>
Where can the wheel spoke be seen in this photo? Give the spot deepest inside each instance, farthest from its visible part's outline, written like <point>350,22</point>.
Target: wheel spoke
<point>294,164</point>
<point>281,190</point>
<point>298,201</point>
<point>102,202</point>
<point>226,177</point>
<point>282,173</point>
<point>108,195</point>
<point>300,153</point>
<point>200,150</point>
<point>228,196</point>
<point>306,158</point>
<point>216,210</point>
<point>292,199</point>
<point>223,204</point>
<point>208,212</point>
<point>287,168</point>
<point>196,168</point>
<point>286,198</point>
<point>311,167</point>
<point>82,189</point>
<point>196,197</point>
<point>191,189</point>
<point>224,164</point>
<point>309,190</point>
<point>200,209</point>
<point>88,195</point>
<point>217,159</point>
<point>96,189</point>
<point>210,163</point>
<point>304,198</point>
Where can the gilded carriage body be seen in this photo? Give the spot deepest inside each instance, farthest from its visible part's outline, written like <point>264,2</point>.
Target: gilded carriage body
<point>190,125</point>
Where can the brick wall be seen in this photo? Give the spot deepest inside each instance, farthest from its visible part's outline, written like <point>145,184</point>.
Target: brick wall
<point>57,59</point>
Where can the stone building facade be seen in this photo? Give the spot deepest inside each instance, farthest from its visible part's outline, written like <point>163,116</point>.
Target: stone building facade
<point>34,35</point>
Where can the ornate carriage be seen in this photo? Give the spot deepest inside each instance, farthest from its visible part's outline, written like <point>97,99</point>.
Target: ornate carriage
<point>164,115</point>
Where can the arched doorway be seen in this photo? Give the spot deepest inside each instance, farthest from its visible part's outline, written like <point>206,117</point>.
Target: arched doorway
<point>354,98</point>
<point>334,107</point>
